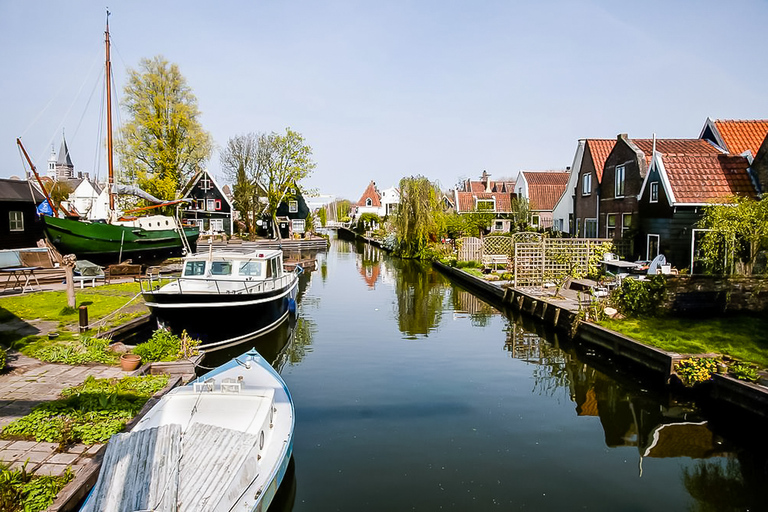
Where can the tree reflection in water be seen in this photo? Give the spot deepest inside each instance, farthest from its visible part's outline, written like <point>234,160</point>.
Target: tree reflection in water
<point>419,295</point>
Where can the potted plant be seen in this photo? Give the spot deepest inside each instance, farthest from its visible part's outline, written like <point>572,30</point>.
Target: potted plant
<point>129,362</point>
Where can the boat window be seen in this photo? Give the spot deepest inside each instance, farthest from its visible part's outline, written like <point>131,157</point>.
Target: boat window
<point>251,268</point>
<point>194,268</point>
<point>221,268</point>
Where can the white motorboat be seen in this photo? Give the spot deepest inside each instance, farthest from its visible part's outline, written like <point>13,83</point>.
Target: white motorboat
<point>223,442</point>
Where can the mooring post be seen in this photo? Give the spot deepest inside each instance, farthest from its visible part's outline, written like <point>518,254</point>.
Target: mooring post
<point>83,319</point>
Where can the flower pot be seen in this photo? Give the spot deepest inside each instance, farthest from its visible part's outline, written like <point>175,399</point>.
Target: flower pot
<point>129,362</point>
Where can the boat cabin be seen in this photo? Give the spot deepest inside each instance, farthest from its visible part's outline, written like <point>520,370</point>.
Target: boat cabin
<point>235,266</point>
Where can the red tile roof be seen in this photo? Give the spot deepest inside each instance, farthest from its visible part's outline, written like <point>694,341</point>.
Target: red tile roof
<point>600,149</point>
<point>702,178</point>
<point>676,146</point>
<point>545,188</point>
<point>372,193</point>
<point>742,135</point>
<point>466,201</point>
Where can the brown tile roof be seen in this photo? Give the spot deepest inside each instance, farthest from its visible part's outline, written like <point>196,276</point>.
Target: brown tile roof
<point>372,193</point>
<point>742,135</point>
<point>600,149</point>
<point>676,146</point>
<point>699,179</point>
<point>545,188</point>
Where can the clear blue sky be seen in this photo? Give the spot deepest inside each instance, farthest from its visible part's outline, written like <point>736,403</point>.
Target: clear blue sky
<point>383,90</point>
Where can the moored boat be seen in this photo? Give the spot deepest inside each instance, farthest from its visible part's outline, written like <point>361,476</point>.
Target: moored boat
<point>224,297</point>
<point>223,442</point>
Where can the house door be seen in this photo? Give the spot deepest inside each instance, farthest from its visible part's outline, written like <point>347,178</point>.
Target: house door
<point>653,247</point>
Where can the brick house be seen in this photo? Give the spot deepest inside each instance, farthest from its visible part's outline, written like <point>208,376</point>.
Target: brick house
<point>487,196</point>
<point>584,186</point>
<point>543,189</point>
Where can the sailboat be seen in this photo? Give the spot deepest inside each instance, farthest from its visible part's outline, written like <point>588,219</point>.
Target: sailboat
<point>120,236</point>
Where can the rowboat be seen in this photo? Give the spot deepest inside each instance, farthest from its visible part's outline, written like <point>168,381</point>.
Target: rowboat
<point>223,442</point>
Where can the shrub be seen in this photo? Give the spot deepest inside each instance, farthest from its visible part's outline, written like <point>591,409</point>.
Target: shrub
<point>743,371</point>
<point>166,346</point>
<point>83,350</point>
<point>695,370</point>
<point>22,491</point>
<point>641,298</point>
<point>3,358</point>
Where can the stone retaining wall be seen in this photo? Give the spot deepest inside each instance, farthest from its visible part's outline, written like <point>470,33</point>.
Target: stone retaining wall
<point>716,294</point>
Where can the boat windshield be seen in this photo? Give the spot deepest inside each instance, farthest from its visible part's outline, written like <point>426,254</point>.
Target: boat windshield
<point>251,268</point>
<point>194,268</point>
<point>221,268</point>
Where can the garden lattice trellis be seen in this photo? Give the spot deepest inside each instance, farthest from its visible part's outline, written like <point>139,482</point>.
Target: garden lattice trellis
<point>536,262</point>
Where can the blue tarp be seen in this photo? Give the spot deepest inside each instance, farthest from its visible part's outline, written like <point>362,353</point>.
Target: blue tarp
<point>44,209</point>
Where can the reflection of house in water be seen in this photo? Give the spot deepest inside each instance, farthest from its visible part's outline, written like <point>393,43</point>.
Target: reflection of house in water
<point>465,302</point>
<point>369,265</point>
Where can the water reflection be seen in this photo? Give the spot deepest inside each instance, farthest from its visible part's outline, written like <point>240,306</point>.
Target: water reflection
<point>419,298</point>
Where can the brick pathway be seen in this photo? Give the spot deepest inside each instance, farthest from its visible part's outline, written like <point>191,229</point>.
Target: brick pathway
<point>29,383</point>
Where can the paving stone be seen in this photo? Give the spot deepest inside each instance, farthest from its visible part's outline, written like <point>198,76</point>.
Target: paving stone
<point>93,449</point>
<point>78,448</point>
<point>11,455</point>
<point>4,443</point>
<point>35,457</point>
<point>45,447</point>
<point>48,469</point>
<point>63,458</point>
<point>20,464</point>
<point>22,445</point>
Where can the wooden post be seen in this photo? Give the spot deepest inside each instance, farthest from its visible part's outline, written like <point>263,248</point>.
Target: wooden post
<point>68,262</point>
<point>83,319</point>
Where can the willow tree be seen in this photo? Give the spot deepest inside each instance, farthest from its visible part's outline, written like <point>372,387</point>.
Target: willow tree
<point>163,143</point>
<point>738,230</point>
<point>419,216</point>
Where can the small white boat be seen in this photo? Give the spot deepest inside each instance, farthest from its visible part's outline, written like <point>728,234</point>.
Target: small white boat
<point>223,442</point>
<point>224,297</point>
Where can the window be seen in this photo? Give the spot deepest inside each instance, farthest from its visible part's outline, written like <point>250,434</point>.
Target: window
<point>297,225</point>
<point>535,219</point>
<point>221,268</point>
<point>251,268</point>
<point>194,268</point>
<point>653,247</point>
<point>368,201</point>
<point>16,220</point>
<point>217,204</point>
<point>498,225</point>
<point>206,183</point>
<point>626,223</point>
<point>590,228</point>
<point>654,191</point>
<point>610,225</point>
<point>211,205</point>
<point>201,204</point>
<point>586,184</point>
<point>217,225</point>
<point>619,181</point>
<point>293,206</point>
<point>485,205</point>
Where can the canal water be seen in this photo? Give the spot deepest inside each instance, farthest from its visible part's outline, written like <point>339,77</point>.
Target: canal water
<point>413,394</point>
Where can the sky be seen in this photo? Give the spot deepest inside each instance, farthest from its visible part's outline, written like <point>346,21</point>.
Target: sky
<point>384,90</point>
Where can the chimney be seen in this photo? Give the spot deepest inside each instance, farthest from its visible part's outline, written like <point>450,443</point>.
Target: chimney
<point>485,181</point>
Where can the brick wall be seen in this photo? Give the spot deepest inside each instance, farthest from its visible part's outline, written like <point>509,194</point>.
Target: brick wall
<point>704,295</point>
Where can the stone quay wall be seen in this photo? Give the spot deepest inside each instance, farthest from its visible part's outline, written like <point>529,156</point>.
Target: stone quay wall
<point>700,294</point>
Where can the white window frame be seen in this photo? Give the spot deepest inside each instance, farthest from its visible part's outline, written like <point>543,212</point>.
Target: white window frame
<point>298,225</point>
<point>590,233</point>
<point>368,201</point>
<point>217,225</point>
<point>498,225</point>
<point>206,184</point>
<point>609,234</point>
<point>16,220</point>
<point>491,201</point>
<point>619,178</point>
<point>654,193</point>
<point>210,205</point>
<point>293,206</point>
<point>535,220</point>
<point>586,184</point>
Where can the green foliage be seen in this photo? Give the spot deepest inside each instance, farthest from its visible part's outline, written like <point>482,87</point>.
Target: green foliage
<point>239,163</point>
<point>322,214</point>
<point>67,311</point>
<point>695,370</point>
<point>88,413</point>
<point>641,298</point>
<point>468,264</point>
<point>166,346</point>
<point>738,232</point>
<point>596,258</point>
<point>366,221</point>
<point>22,491</point>
<point>3,358</point>
<point>82,350</point>
<point>521,213</point>
<point>163,142</point>
<point>419,217</point>
<point>743,371</point>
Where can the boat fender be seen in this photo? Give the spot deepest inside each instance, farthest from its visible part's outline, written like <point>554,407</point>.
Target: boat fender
<point>292,305</point>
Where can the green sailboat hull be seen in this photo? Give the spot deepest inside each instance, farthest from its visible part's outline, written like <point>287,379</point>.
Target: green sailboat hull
<point>99,241</point>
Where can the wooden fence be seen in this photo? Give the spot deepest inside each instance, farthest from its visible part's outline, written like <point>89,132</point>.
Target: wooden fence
<point>535,263</point>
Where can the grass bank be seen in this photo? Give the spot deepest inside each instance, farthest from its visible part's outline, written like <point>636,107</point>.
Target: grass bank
<point>741,337</point>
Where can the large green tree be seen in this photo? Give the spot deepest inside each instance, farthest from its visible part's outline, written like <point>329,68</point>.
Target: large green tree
<point>239,161</point>
<point>163,142</point>
<point>738,230</point>
<point>419,218</point>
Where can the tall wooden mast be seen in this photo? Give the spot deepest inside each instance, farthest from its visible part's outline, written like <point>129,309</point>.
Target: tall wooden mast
<point>110,165</point>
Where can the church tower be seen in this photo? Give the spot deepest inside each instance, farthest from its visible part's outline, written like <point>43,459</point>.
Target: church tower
<point>65,169</point>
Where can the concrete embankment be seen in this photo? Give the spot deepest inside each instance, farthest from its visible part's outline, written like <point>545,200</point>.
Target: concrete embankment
<point>655,366</point>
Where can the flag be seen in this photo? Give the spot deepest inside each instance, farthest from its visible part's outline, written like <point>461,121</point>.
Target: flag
<point>44,209</point>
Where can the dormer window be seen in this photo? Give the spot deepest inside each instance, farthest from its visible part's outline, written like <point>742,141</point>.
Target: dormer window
<point>206,184</point>
<point>293,206</point>
<point>485,205</point>
<point>654,191</point>
<point>368,202</point>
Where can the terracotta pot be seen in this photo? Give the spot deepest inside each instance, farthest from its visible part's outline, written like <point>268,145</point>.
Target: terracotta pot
<point>129,362</point>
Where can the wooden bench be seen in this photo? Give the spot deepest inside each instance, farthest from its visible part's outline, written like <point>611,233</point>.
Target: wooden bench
<point>495,260</point>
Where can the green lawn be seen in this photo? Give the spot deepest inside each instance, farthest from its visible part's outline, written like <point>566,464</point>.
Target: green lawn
<point>742,337</point>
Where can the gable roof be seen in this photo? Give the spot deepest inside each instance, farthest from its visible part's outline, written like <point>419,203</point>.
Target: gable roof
<point>600,149</point>
<point>196,178</point>
<point>467,201</point>
<point>19,191</point>
<point>372,193</point>
<point>736,136</point>
<point>545,188</point>
<point>694,172</point>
